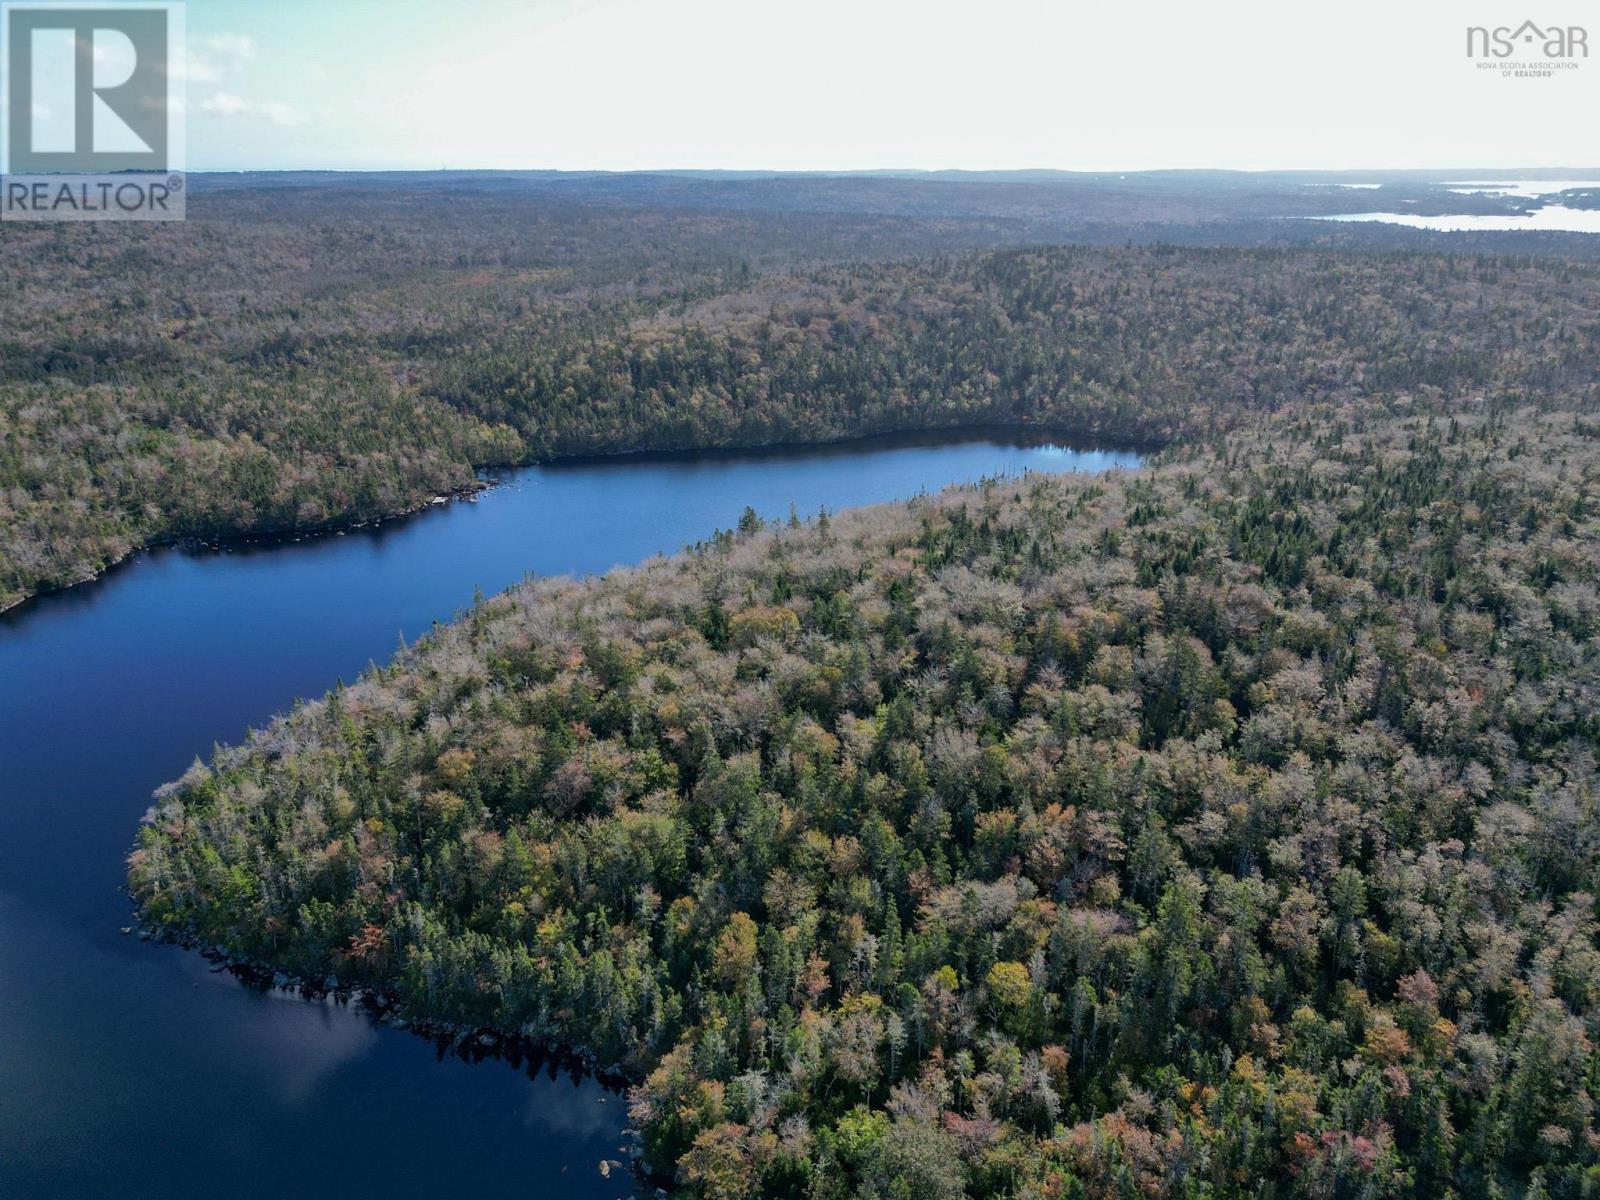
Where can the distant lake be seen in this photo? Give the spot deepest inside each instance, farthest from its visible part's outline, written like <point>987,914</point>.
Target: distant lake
<point>1520,187</point>
<point>1548,217</point>
<point>133,1070</point>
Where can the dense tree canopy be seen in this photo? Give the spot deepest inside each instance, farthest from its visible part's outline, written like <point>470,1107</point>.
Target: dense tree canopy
<point>1222,829</point>
<point>315,361</point>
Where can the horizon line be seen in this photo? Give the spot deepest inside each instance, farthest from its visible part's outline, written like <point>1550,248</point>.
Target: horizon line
<point>891,171</point>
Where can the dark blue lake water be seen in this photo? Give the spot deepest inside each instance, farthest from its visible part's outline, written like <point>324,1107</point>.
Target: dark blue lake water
<point>129,1069</point>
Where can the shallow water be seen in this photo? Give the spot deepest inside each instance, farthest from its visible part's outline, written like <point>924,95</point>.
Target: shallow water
<point>132,1070</point>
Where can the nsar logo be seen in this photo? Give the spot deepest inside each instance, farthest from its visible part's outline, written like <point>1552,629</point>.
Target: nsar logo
<point>1553,41</point>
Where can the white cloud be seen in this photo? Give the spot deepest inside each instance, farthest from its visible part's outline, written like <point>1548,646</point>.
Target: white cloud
<point>225,104</point>
<point>215,58</point>
<point>282,114</point>
<point>222,58</point>
<point>230,104</point>
<point>235,46</point>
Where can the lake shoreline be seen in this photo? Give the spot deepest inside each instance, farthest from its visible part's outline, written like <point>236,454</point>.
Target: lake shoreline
<point>472,1044</point>
<point>268,536</point>
<point>385,1008</point>
<point>491,475</point>
<point>112,691</point>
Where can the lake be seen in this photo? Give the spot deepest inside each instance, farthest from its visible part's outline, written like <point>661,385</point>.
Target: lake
<point>131,1069</point>
<point>1550,217</point>
<point>1547,216</point>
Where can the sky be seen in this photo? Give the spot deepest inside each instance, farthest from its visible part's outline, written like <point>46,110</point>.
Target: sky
<point>863,84</point>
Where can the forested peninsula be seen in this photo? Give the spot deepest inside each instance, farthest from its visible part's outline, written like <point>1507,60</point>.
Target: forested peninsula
<point>1222,829</point>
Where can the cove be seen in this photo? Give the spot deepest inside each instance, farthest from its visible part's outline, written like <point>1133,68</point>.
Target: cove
<point>134,1070</point>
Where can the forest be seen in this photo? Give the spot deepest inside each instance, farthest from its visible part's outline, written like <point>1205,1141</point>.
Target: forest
<point>1222,829</point>
<point>303,354</point>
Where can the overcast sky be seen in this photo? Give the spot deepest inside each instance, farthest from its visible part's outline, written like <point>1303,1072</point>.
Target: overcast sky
<point>850,84</point>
